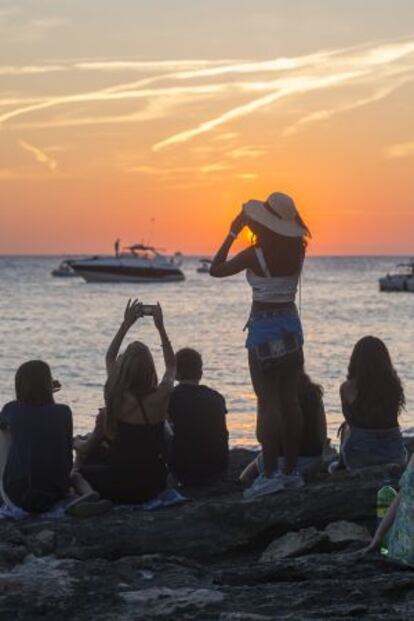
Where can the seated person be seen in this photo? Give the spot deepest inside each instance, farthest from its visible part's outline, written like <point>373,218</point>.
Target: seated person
<point>398,522</point>
<point>372,399</point>
<point>122,458</point>
<point>199,448</point>
<point>314,435</point>
<point>37,467</point>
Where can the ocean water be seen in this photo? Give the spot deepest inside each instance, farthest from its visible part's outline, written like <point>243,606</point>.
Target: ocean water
<point>70,323</point>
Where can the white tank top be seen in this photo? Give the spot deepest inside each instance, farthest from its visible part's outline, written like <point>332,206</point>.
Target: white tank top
<point>271,289</point>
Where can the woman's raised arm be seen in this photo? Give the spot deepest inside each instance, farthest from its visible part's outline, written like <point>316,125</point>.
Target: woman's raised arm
<point>220,266</point>
<point>132,311</point>
<point>167,350</point>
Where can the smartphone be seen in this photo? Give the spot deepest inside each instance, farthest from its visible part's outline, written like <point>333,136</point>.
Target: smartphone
<point>148,309</point>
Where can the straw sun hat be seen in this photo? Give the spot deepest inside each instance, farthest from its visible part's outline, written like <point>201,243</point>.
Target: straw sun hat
<point>279,214</point>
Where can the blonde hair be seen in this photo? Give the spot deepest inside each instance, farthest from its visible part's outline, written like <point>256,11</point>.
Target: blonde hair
<point>134,372</point>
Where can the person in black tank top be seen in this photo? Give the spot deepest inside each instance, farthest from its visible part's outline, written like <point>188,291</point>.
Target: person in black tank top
<point>123,458</point>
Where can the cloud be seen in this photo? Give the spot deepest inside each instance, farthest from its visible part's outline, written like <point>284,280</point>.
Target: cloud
<point>300,85</point>
<point>327,113</point>
<point>234,89</point>
<point>39,155</point>
<point>30,69</point>
<point>48,23</point>
<point>247,176</point>
<point>403,149</point>
<point>146,65</point>
<point>246,152</point>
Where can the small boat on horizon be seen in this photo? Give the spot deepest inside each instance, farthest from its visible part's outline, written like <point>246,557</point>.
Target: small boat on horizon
<point>204,267</point>
<point>138,263</point>
<point>401,281</point>
<point>64,270</point>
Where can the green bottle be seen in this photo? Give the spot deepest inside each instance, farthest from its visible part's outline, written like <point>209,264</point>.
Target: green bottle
<point>385,497</point>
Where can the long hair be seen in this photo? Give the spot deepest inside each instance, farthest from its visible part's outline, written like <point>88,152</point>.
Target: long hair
<point>378,386</point>
<point>306,385</point>
<point>284,255</point>
<point>134,372</point>
<point>33,383</point>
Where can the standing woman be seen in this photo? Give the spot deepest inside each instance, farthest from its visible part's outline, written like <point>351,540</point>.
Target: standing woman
<point>273,265</point>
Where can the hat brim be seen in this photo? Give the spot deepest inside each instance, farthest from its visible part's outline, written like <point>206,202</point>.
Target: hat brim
<point>256,211</point>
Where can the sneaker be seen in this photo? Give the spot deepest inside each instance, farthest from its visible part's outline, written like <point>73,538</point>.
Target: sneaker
<point>263,486</point>
<point>292,481</point>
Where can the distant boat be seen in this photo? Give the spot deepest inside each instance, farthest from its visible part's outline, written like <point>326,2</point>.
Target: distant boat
<point>137,264</point>
<point>64,270</point>
<point>402,281</point>
<point>204,267</point>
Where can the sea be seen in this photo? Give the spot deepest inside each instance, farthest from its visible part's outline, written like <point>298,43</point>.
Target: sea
<point>70,323</point>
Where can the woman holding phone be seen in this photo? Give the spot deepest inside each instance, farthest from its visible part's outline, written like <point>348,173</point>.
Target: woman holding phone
<point>273,266</point>
<point>122,459</point>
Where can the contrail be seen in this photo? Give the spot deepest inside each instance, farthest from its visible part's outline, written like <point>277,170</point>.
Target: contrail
<point>39,155</point>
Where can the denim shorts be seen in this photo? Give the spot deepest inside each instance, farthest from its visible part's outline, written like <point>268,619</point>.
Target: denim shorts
<point>273,325</point>
<point>362,448</point>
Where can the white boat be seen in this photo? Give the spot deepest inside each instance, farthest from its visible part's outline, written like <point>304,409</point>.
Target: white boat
<point>64,270</point>
<point>204,267</point>
<point>403,280</point>
<point>137,264</point>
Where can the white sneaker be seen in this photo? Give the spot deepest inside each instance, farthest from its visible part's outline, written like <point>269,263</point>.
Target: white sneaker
<point>262,486</point>
<point>292,481</point>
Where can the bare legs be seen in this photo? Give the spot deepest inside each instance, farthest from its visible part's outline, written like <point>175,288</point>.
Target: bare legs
<point>292,419</point>
<point>279,417</point>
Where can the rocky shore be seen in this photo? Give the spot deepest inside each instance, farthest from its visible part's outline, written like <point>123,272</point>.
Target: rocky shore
<point>293,555</point>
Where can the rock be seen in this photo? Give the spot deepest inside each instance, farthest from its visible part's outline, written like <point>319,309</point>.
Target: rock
<point>198,561</point>
<point>43,543</point>
<point>161,602</point>
<point>294,544</point>
<point>342,533</point>
<point>13,548</point>
<point>11,555</point>
<point>242,616</point>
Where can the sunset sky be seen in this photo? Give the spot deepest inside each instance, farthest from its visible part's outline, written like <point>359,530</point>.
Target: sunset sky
<point>114,114</point>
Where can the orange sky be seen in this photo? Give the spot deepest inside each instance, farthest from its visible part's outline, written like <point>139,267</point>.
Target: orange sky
<point>101,137</point>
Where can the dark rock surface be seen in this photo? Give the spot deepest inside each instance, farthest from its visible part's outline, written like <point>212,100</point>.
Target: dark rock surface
<point>202,560</point>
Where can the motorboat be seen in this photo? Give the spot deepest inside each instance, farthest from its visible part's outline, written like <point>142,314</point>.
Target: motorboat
<point>138,263</point>
<point>403,280</point>
<point>64,270</point>
<point>204,267</point>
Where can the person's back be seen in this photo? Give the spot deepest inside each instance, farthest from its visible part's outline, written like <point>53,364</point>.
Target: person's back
<point>128,436</point>
<point>39,462</point>
<point>314,432</point>
<point>372,398</point>
<point>198,414</point>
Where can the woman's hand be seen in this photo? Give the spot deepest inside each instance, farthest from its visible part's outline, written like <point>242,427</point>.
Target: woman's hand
<point>158,318</point>
<point>132,311</point>
<point>238,223</point>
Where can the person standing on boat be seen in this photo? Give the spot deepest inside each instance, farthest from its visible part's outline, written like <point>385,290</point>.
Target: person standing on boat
<point>273,265</point>
<point>116,246</point>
